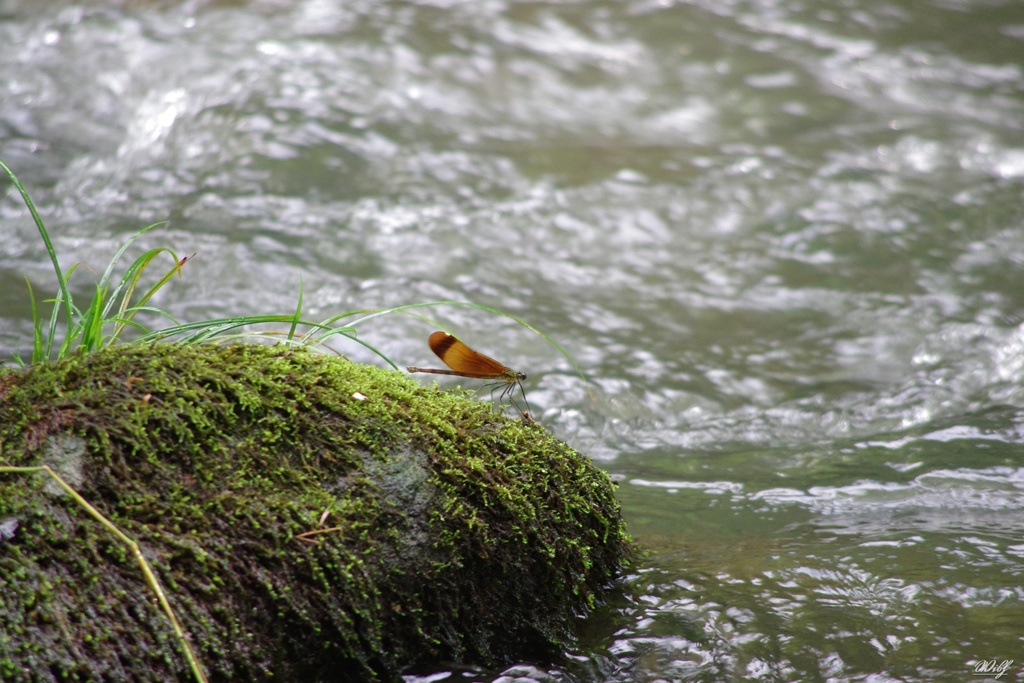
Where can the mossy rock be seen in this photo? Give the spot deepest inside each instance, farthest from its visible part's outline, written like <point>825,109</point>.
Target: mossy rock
<point>445,531</point>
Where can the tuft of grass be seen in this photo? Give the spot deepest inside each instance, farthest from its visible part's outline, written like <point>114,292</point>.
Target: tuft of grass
<point>108,313</point>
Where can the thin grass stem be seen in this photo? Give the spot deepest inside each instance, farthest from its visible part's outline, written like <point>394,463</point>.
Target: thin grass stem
<point>147,571</point>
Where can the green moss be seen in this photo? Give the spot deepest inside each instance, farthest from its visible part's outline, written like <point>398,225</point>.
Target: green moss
<point>449,532</point>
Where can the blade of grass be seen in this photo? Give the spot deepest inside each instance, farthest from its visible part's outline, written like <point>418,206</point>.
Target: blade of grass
<point>92,323</point>
<point>349,334</point>
<point>126,287</point>
<point>124,247</point>
<point>130,313</point>
<point>206,328</point>
<point>298,312</point>
<point>130,281</point>
<point>69,306</point>
<point>37,328</point>
<point>65,295</point>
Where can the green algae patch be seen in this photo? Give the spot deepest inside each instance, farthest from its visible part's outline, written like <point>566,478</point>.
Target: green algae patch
<point>309,519</point>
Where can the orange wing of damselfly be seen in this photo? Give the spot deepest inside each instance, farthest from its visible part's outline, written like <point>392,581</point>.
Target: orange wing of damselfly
<point>464,360</point>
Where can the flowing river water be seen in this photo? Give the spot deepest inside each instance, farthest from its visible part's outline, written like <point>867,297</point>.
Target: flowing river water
<point>784,239</point>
